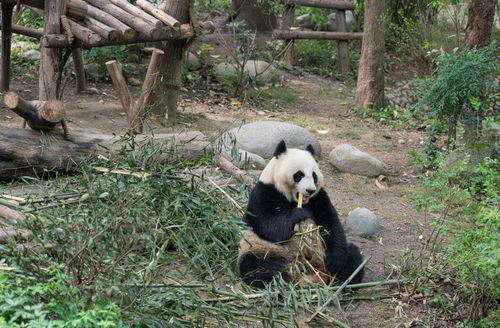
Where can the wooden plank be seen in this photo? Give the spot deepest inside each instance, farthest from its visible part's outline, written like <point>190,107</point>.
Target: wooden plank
<point>79,70</point>
<point>317,35</point>
<point>19,29</point>
<point>158,13</point>
<point>327,4</point>
<point>287,22</point>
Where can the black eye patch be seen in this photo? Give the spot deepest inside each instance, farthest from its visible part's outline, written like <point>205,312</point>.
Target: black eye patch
<point>298,176</point>
<point>315,177</point>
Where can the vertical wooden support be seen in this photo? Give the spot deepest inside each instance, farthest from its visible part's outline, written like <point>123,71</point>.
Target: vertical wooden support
<point>79,70</point>
<point>6,42</point>
<point>288,18</point>
<point>343,46</point>
<point>51,57</point>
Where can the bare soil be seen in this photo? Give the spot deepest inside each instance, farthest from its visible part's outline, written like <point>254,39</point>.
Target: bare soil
<point>323,105</point>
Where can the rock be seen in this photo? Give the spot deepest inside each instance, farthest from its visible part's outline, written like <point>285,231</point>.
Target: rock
<point>350,159</point>
<point>331,22</point>
<point>245,159</point>
<point>259,70</point>
<point>134,82</point>
<point>93,70</point>
<point>261,138</point>
<point>192,62</point>
<point>362,222</point>
<point>31,55</point>
<point>305,21</point>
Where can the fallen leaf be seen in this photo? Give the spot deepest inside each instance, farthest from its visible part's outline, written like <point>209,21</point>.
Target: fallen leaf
<point>322,131</point>
<point>235,102</point>
<point>379,184</point>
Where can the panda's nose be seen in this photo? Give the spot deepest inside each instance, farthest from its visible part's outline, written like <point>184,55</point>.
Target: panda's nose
<point>310,191</point>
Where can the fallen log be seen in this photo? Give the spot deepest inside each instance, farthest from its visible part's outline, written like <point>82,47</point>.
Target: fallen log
<point>10,214</point>
<point>40,115</point>
<point>326,4</point>
<point>25,152</point>
<point>235,172</point>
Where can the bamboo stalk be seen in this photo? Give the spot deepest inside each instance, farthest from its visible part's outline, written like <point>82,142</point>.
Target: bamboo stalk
<point>337,292</point>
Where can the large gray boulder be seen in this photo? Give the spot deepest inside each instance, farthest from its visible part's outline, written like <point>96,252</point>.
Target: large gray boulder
<point>262,137</point>
<point>31,55</point>
<point>362,222</point>
<point>259,70</point>
<point>347,158</point>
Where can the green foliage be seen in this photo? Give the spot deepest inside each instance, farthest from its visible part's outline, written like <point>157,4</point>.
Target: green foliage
<point>465,242</point>
<point>462,80</point>
<point>26,301</point>
<point>126,55</point>
<point>272,98</point>
<point>388,115</point>
<point>30,20</point>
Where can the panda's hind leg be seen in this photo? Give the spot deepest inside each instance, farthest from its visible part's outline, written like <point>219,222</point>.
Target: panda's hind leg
<point>354,259</point>
<point>257,272</point>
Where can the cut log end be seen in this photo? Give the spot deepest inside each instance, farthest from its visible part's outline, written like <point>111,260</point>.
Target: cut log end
<point>53,111</point>
<point>11,99</point>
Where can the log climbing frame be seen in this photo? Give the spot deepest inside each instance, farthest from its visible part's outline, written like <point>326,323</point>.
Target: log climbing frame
<point>287,33</point>
<point>72,25</point>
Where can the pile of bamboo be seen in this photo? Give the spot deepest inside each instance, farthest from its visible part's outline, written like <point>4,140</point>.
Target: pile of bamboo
<point>94,23</point>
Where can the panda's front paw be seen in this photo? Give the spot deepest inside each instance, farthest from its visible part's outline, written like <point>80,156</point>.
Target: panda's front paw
<point>299,215</point>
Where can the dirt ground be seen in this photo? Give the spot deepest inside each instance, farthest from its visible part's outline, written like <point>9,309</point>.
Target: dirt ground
<point>323,105</point>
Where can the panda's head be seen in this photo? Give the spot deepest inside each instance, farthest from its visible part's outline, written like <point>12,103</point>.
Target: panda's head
<point>292,171</point>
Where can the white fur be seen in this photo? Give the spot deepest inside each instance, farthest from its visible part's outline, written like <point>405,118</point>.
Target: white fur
<point>279,172</point>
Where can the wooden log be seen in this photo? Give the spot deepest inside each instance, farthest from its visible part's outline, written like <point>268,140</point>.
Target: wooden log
<point>130,8</point>
<point>343,45</point>
<point>7,10</point>
<point>184,32</point>
<point>127,32</point>
<point>24,152</point>
<point>84,34</point>
<point>287,22</point>
<point>327,4</point>
<point>149,82</point>
<point>235,172</point>
<point>317,35</point>
<point>67,29</point>
<point>158,13</point>
<point>79,70</point>
<point>77,9</point>
<point>51,58</point>
<point>126,99</point>
<point>18,29</point>
<point>101,29</point>
<point>10,214</point>
<point>40,115</point>
<point>30,3</point>
<point>135,22</point>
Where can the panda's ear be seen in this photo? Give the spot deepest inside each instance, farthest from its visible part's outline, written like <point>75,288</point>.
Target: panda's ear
<point>280,149</point>
<point>310,149</point>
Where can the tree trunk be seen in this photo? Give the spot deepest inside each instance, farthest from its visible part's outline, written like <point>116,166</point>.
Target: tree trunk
<point>370,85</point>
<point>27,152</point>
<point>168,92</point>
<point>480,23</point>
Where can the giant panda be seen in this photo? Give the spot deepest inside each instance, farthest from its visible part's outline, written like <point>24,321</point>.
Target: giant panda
<point>271,247</point>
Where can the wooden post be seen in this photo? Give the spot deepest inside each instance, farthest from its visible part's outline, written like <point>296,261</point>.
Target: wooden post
<point>79,70</point>
<point>51,57</point>
<point>288,18</point>
<point>7,9</point>
<point>343,46</point>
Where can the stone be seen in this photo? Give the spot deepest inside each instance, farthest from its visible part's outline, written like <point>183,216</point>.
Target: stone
<point>93,70</point>
<point>192,62</point>
<point>259,70</point>
<point>262,137</point>
<point>347,158</point>
<point>362,222</point>
<point>244,159</point>
<point>331,22</point>
<point>31,55</point>
<point>134,82</point>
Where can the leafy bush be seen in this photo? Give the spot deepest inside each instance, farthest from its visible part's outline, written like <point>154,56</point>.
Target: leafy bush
<point>458,90</point>
<point>126,55</point>
<point>465,241</point>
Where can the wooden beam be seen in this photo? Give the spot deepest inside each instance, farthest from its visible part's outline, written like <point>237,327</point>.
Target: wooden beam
<point>327,4</point>
<point>135,11</point>
<point>83,34</point>
<point>158,13</point>
<point>19,29</point>
<point>317,35</point>
<point>149,81</point>
<point>103,30</point>
<point>7,10</point>
<point>287,23</point>
<point>105,18</point>
<point>51,58</point>
<point>343,45</point>
<point>79,70</point>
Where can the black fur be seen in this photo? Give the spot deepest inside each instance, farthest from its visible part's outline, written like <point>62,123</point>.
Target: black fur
<point>258,271</point>
<point>272,217</point>
<point>280,149</point>
<point>310,149</point>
